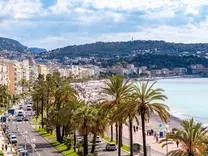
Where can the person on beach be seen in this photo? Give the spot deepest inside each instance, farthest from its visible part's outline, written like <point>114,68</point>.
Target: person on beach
<point>134,129</point>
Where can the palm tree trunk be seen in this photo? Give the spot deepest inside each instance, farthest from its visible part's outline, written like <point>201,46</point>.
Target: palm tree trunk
<point>93,143</point>
<point>131,136</point>
<point>85,139</point>
<point>58,133</point>
<point>111,132</point>
<point>85,145</point>
<point>63,133</point>
<point>42,108</point>
<point>37,112</point>
<point>75,141</point>
<point>143,134</point>
<point>121,131</point>
<point>120,139</point>
<point>116,133</point>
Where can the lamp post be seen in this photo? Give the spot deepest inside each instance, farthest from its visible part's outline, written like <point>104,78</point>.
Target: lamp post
<point>25,134</point>
<point>167,131</point>
<point>33,145</point>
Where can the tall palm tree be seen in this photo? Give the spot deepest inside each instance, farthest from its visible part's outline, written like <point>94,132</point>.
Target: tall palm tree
<point>118,88</point>
<point>191,138</point>
<point>100,123</point>
<point>148,103</point>
<point>63,94</point>
<point>85,117</point>
<point>126,111</point>
<point>68,114</point>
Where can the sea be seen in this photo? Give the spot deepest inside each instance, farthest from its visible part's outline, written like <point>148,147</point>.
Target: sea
<point>187,97</point>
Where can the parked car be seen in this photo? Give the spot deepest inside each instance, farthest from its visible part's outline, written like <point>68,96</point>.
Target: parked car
<point>111,147</point>
<point>13,139</point>
<point>98,140</point>
<point>23,153</point>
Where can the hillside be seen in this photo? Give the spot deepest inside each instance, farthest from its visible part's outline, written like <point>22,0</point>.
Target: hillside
<point>37,50</point>
<point>11,45</point>
<point>112,49</point>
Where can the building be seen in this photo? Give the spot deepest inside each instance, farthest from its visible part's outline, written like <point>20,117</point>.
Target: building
<point>42,70</point>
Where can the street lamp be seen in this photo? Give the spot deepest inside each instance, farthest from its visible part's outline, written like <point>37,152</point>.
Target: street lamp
<point>33,145</point>
<point>167,131</point>
<point>25,134</point>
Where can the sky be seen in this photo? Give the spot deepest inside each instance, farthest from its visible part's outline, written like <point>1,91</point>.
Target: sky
<point>53,24</point>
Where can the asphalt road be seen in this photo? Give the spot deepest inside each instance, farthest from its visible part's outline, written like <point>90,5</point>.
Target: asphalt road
<point>102,152</point>
<point>43,148</point>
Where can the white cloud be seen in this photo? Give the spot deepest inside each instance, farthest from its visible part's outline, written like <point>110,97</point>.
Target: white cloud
<point>183,34</point>
<point>100,16</point>
<point>19,9</point>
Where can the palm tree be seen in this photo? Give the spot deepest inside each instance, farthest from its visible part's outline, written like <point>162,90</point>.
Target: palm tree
<point>126,111</point>
<point>191,138</point>
<point>119,89</point>
<point>68,115</point>
<point>63,94</point>
<point>84,117</point>
<point>100,123</point>
<point>149,103</point>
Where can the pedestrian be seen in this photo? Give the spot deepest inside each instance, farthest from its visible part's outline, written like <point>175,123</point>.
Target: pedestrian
<point>137,128</point>
<point>6,147</point>
<point>177,143</point>
<point>2,147</point>
<point>134,128</point>
<point>157,138</point>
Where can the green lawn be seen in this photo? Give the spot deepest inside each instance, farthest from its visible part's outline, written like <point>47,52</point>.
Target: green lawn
<point>1,153</point>
<point>52,139</point>
<point>35,123</point>
<point>124,147</point>
<point>34,117</point>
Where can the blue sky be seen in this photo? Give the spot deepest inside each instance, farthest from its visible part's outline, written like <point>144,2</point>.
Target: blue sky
<point>56,23</point>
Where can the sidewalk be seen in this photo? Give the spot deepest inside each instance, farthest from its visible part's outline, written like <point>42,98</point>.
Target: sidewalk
<point>10,150</point>
<point>157,150</point>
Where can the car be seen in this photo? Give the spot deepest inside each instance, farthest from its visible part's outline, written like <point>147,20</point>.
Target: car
<point>111,147</point>
<point>98,140</point>
<point>13,139</point>
<point>19,118</point>
<point>23,153</point>
<point>26,119</point>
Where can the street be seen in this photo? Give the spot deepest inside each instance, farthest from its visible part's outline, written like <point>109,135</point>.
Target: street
<point>43,148</point>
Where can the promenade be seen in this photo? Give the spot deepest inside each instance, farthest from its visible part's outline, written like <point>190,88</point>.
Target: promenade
<point>156,149</point>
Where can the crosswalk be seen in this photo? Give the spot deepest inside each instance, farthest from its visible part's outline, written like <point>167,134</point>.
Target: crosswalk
<point>19,122</point>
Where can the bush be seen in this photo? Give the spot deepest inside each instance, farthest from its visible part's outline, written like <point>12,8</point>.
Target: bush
<point>68,141</point>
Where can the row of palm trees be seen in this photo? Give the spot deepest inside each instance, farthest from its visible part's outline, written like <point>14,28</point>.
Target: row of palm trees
<point>68,114</point>
<point>55,97</point>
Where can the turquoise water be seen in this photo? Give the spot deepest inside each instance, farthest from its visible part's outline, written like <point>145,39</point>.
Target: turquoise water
<point>187,97</point>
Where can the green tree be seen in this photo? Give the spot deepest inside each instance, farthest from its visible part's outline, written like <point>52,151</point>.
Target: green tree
<point>63,94</point>
<point>148,103</point>
<point>127,112</point>
<point>100,123</point>
<point>119,89</point>
<point>85,117</point>
<point>192,138</point>
<point>4,96</point>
